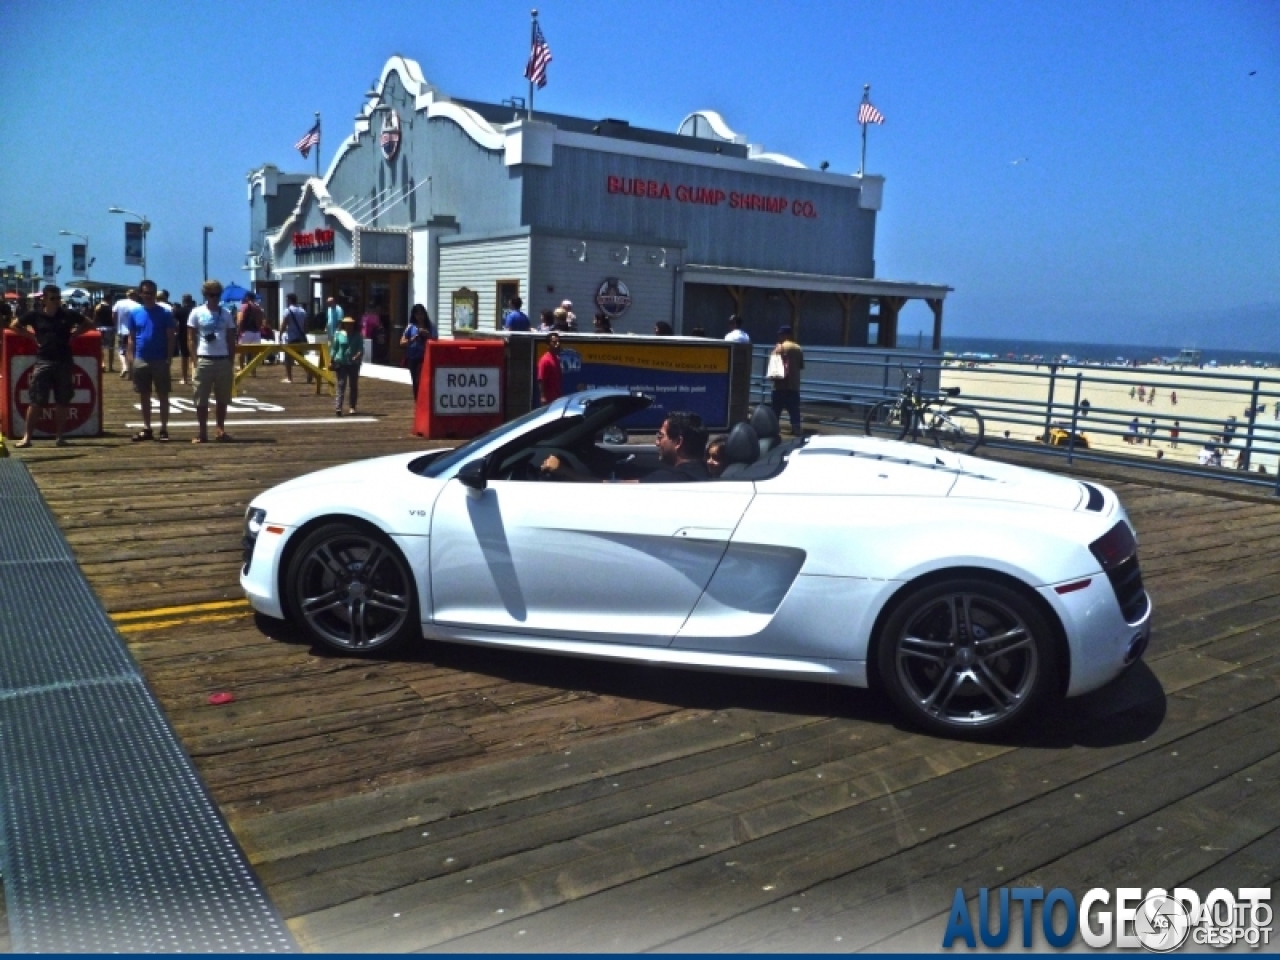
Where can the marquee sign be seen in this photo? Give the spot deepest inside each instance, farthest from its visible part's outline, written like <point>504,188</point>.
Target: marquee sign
<point>390,140</point>
<point>313,241</point>
<point>613,298</point>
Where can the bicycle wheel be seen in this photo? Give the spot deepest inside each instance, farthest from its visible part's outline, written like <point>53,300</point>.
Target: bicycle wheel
<point>886,420</point>
<point>958,429</point>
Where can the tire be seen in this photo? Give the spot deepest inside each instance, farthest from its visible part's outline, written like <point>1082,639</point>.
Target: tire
<point>348,588</point>
<point>988,676</point>
<point>885,420</point>
<point>958,429</point>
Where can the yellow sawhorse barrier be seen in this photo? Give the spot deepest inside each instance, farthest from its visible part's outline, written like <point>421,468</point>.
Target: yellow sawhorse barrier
<point>260,351</point>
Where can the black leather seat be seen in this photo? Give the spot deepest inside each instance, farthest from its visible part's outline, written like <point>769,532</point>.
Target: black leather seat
<point>765,423</point>
<point>741,450</point>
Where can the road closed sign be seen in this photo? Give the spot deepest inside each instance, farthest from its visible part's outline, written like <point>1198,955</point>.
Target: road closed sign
<point>466,391</point>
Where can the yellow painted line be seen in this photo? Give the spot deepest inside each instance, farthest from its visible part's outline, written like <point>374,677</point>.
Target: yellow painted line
<point>157,624</point>
<point>196,608</point>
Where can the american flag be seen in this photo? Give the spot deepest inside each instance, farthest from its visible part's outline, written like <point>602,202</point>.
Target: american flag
<point>536,70</point>
<point>310,139</point>
<point>869,114</point>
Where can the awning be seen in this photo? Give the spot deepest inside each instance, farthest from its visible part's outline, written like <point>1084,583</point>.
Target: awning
<point>782,280</point>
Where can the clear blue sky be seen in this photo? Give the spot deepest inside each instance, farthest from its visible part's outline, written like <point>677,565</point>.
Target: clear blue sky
<point>1151,183</point>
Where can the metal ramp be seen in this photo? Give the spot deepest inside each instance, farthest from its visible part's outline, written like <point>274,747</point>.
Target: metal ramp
<point>109,841</point>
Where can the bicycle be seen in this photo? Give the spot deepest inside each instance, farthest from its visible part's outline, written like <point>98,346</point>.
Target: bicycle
<point>956,428</point>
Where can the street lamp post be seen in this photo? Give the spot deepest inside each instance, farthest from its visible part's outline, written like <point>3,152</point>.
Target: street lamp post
<point>146,225</point>
<point>87,262</point>
<point>207,230</point>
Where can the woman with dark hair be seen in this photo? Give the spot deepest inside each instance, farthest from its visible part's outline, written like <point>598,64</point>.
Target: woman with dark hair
<point>663,329</point>
<point>414,342</point>
<point>602,323</point>
<point>548,321</point>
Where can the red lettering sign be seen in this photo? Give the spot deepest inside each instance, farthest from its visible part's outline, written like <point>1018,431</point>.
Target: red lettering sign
<point>704,196</point>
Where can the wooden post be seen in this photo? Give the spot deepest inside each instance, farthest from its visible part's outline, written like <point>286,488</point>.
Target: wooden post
<point>846,305</point>
<point>889,307</point>
<point>739,295</point>
<point>936,306</point>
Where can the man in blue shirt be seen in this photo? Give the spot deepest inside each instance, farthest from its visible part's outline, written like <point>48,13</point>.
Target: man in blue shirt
<point>516,319</point>
<point>151,345</point>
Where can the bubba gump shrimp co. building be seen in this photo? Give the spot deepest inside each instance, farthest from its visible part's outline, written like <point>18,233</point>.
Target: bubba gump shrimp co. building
<point>460,205</point>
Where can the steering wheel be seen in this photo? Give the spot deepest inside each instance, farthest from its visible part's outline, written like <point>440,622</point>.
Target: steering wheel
<point>540,454</point>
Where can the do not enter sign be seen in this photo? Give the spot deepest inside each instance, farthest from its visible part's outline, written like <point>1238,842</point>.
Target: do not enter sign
<point>82,414</point>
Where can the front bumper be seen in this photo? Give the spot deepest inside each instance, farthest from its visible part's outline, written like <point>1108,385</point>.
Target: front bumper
<point>260,573</point>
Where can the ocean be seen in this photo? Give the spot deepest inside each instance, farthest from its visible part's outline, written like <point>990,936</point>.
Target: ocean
<point>1098,352</point>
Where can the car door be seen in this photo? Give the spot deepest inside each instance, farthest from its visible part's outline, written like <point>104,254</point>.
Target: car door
<point>603,562</point>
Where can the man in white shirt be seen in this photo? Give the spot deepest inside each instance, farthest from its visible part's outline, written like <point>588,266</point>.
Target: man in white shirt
<point>211,329</point>
<point>122,311</point>
<point>736,334</point>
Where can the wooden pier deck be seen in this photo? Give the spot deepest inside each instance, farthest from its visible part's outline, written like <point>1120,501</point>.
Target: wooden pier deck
<point>459,799</point>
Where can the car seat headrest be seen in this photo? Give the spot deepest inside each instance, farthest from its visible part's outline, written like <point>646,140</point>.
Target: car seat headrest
<point>765,422</point>
<point>743,445</point>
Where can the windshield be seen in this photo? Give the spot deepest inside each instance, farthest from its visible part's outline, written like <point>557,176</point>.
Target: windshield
<point>442,464</point>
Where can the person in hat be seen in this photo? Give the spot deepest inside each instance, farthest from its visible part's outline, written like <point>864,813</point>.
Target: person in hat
<point>570,318</point>
<point>786,391</point>
<point>345,354</point>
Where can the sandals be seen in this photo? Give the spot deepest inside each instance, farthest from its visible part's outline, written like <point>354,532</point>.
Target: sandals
<point>199,439</point>
<point>143,435</point>
<point>22,444</point>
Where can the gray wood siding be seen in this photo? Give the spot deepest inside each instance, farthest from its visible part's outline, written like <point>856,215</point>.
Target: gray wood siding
<point>478,266</point>
<point>555,263</point>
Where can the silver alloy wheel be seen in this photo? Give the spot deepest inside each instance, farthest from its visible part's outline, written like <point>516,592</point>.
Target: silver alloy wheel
<point>966,659</point>
<point>352,589</point>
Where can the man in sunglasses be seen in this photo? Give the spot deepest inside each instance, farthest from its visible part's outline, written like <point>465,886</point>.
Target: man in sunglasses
<point>52,327</point>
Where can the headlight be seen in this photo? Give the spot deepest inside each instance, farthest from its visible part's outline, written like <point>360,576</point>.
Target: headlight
<point>254,518</point>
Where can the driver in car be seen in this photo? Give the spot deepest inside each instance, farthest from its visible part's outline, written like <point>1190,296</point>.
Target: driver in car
<point>681,442</point>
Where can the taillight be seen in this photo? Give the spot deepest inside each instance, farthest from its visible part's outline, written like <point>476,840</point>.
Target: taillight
<point>1115,546</point>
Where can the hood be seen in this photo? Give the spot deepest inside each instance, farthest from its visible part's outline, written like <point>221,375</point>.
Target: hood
<point>374,473</point>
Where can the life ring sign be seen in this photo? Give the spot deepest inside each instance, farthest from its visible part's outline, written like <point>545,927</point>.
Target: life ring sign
<point>390,140</point>
<point>613,298</point>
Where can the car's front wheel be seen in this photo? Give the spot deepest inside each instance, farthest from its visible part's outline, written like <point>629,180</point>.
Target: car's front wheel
<point>350,589</point>
<point>966,656</point>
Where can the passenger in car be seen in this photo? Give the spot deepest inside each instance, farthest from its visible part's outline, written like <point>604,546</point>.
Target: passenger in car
<point>715,458</point>
<point>681,443</point>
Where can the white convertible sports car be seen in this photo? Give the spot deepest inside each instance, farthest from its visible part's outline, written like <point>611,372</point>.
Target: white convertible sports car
<point>969,591</point>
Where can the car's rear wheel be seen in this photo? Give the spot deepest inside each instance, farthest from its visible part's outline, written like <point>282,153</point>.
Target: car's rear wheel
<point>966,656</point>
<point>350,589</point>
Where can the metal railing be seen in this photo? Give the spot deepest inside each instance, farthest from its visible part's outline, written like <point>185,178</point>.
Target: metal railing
<point>1034,398</point>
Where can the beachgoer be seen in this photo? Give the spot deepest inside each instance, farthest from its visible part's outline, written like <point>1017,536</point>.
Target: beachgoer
<point>415,338</point>
<point>1151,397</point>
<point>1174,432</point>
<point>211,332</point>
<point>550,376</point>
<point>1142,393</point>
<point>1173,397</point>
<point>346,354</point>
<point>786,391</point>
<point>250,324</point>
<point>180,314</point>
<point>122,310</point>
<point>151,336</point>
<point>516,318</point>
<point>1084,407</point>
<point>51,326</point>
<point>1151,431</point>
<point>1132,392</point>
<point>293,329</point>
<point>1132,436</point>
<point>736,334</point>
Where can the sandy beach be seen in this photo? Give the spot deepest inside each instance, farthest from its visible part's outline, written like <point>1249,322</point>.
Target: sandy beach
<point>1197,404</point>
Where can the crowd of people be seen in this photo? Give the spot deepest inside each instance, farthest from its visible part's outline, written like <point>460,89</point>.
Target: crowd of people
<point>146,331</point>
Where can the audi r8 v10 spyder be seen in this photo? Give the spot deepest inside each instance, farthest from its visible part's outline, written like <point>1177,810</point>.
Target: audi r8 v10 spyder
<point>971,592</point>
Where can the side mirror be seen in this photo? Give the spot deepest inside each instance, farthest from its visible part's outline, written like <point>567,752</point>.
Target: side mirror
<point>472,475</point>
<point>615,434</point>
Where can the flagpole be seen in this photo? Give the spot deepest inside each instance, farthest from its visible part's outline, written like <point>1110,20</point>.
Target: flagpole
<point>866,98</point>
<point>533,33</point>
<point>318,144</point>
